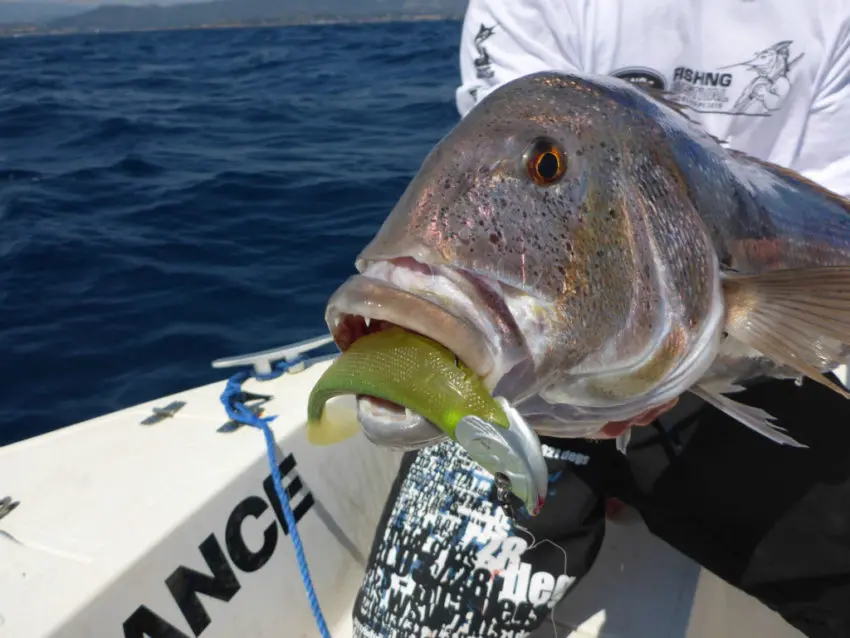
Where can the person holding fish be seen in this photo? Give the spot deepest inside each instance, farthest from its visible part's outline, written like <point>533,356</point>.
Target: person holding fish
<point>625,273</point>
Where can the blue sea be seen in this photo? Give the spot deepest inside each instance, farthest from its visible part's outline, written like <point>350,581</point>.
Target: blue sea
<point>170,198</point>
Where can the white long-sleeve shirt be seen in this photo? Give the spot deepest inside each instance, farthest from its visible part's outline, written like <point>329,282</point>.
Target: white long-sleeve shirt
<point>769,77</point>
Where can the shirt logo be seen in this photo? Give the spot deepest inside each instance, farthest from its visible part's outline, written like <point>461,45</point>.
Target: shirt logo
<point>483,68</point>
<point>716,92</point>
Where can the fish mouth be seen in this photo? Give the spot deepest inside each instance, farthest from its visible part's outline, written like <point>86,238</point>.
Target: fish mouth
<point>363,305</point>
<point>455,308</point>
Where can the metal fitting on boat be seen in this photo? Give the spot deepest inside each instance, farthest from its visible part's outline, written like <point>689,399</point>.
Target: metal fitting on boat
<point>7,505</point>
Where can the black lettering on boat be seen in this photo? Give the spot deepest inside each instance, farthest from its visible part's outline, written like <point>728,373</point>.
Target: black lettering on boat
<point>186,584</point>
<point>242,557</point>
<point>143,623</point>
<point>292,489</point>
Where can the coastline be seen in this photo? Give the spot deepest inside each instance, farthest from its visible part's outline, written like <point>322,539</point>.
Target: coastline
<point>28,30</point>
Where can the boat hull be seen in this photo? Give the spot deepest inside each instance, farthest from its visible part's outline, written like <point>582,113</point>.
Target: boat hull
<point>169,528</point>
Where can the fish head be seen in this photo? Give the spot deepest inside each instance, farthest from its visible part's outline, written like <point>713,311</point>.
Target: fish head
<point>523,244</point>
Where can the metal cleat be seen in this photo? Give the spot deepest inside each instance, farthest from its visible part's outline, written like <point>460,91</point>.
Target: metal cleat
<point>264,360</point>
<point>7,505</point>
<point>160,414</point>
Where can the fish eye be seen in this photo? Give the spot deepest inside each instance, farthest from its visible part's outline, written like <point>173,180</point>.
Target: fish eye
<point>545,162</point>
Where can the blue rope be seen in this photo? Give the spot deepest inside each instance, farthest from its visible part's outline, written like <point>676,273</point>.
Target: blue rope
<point>234,403</point>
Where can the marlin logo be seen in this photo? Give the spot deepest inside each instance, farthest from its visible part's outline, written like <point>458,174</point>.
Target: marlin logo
<point>765,93</point>
<point>482,63</point>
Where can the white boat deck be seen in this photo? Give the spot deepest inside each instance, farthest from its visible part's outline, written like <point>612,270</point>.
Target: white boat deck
<point>121,524</point>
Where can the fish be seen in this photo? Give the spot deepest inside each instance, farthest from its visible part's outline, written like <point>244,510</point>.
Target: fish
<point>591,253</point>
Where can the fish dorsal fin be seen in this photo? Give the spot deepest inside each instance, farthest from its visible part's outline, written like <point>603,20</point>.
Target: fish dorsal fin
<point>799,318</point>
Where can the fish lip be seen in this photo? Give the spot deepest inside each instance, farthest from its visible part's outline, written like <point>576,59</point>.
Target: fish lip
<point>379,300</point>
<point>408,433</point>
<point>483,303</point>
<point>372,298</point>
<point>477,326</point>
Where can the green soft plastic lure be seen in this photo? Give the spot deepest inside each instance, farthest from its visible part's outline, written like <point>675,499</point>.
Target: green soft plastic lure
<point>405,368</point>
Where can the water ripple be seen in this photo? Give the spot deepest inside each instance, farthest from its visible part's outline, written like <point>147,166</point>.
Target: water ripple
<point>169,198</point>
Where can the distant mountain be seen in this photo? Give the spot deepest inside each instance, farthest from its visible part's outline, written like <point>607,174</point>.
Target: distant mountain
<point>34,12</point>
<point>224,12</point>
<point>40,11</point>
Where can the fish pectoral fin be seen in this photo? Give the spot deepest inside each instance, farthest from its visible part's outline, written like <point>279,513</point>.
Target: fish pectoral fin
<point>623,441</point>
<point>842,373</point>
<point>754,418</point>
<point>799,318</point>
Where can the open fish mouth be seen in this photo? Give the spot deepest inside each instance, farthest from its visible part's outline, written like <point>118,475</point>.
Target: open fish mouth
<point>363,306</point>
<point>373,301</point>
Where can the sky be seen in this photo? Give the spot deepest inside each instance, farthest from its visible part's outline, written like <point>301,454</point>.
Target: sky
<point>86,3</point>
